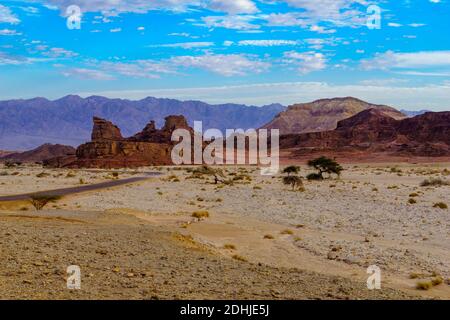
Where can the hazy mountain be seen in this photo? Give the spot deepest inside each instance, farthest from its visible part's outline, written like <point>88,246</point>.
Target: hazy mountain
<point>323,115</point>
<point>26,124</point>
<point>414,113</point>
<point>42,153</point>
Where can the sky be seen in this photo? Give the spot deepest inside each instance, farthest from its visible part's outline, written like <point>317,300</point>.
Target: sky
<point>255,52</point>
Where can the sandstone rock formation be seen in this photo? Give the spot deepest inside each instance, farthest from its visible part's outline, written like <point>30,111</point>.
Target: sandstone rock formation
<point>323,115</point>
<point>40,154</point>
<point>372,132</point>
<point>109,149</point>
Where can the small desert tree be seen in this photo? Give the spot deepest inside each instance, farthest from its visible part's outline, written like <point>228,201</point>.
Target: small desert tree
<point>294,181</point>
<point>291,170</point>
<point>292,177</point>
<point>40,201</point>
<point>324,165</point>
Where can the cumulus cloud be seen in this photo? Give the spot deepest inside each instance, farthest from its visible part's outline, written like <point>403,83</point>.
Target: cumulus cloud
<point>225,65</point>
<point>6,16</point>
<point>87,74</point>
<point>306,62</point>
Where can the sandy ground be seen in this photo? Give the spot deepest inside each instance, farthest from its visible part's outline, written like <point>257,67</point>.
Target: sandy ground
<point>327,235</point>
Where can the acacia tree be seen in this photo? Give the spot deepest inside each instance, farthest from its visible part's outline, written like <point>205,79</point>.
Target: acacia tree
<point>291,170</point>
<point>292,177</point>
<point>324,165</point>
<point>294,181</point>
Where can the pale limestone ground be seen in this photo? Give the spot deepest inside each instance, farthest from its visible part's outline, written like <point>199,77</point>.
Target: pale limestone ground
<point>30,178</point>
<point>339,227</point>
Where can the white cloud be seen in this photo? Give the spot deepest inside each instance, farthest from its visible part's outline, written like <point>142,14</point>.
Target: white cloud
<point>234,6</point>
<point>306,62</point>
<point>268,43</point>
<point>225,65</point>
<point>9,32</point>
<point>422,59</point>
<point>87,74</point>
<point>184,45</point>
<point>6,16</point>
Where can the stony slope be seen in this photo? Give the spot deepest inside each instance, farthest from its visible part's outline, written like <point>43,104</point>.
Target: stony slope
<point>323,115</point>
<point>42,153</point>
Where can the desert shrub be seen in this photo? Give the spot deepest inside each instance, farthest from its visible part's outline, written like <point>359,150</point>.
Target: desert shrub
<point>437,281</point>
<point>217,174</point>
<point>269,237</point>
<point>4,173</point>
<point>82,181</point>
<point>70,175</point>
<point>424,285</point>
<point>434,182</point>
<point>325,165</point>
<point>115,175</point>
<point>440,205</point>
<point>314,176</point>
<point>42,175</point>
<point>414,195</point>
<point>287,231</point>
<point>40,201</point>
<point>239,258</point>
<point>412,201</point>
<point>229,246</point>
<point>200,215</point>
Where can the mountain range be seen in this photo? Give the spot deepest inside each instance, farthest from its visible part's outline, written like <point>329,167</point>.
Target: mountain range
<point>27,124</point>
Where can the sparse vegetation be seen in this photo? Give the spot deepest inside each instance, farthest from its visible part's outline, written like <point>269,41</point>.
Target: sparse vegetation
<point>200,215</point>
<point>229,246</point>
<point>40,201</point>
<point>269,237</point>
<point>239,258</point>
<point>324,165</point>
<point>434,182</point>
<point>294,181</point>
<point>440,205</point>
<point>424,285</point>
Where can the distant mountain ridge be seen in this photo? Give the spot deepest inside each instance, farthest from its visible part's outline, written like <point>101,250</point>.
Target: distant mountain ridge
<point>323,115</point>
<point>414,113</point>
<point>27,124</point>
<point>41,153</point>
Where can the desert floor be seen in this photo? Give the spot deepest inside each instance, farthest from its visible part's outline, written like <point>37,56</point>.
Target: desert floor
<point>260,241</point>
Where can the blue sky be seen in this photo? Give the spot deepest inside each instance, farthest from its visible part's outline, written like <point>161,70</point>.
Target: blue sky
<point>245,51</point>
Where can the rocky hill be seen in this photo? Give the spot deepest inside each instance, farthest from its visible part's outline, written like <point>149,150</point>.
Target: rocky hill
<point>42,153</point>
<point>323,115</point>
<point>374,132</point>
<point>26,124</point>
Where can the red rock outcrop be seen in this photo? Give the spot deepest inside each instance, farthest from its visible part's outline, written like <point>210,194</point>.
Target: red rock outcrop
<point>373,132</point>
<point>109,149</point>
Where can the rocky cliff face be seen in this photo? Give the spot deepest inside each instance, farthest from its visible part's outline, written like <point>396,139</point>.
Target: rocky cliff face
<point>323,115</point>
<point>109,149</point>
<point>373,131</point>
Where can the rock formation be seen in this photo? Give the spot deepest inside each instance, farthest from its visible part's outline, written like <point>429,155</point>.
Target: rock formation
<point>109,149</point>
<point>372,132</point>
<point>323,115</point>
